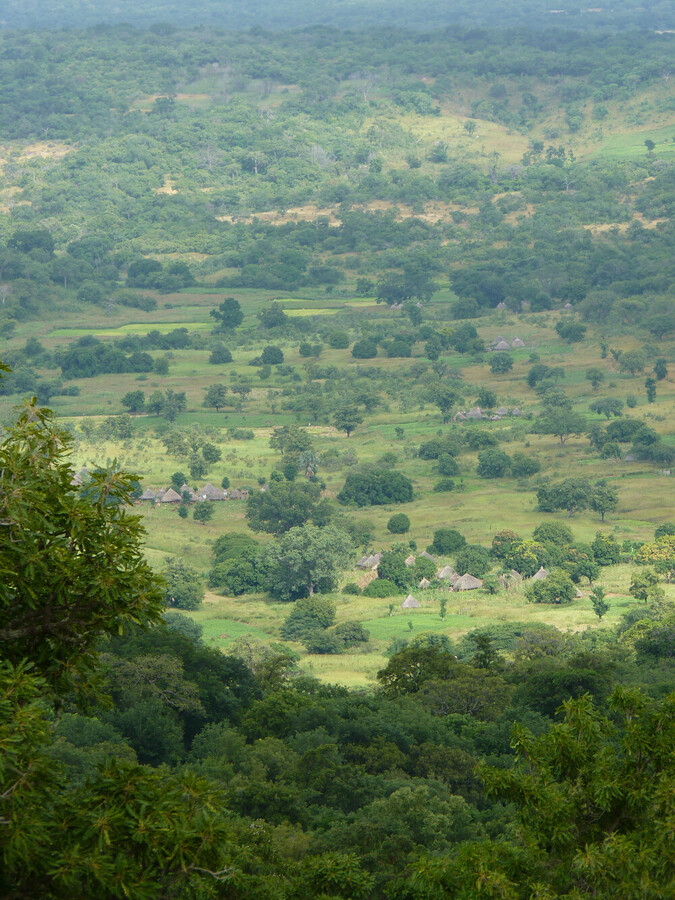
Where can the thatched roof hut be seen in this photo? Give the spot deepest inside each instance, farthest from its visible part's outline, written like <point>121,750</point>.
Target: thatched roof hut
<point>363,563</point>
<point>424,583</point>
<point>475,413</point>
<point>170,496</point>
<point>410,561</point>
<point>502,411</point>
<point>159,494</point>
<point>447,573</point>
<point>186,491</point>
<point>209,492</point>
<point>516,576</point>
<point>568,305</point>
<point>147,495</point>
<point>428,556</point>
<point>540,575</point>
<point>81,477</point>
<point>410,603</point>
<point>496,341</point>
<point>517,343</point>
<point>502,345</point>
<point>501,305</point>
<point>459,417</point>
<point>516,412</point>
<point>468,583</point>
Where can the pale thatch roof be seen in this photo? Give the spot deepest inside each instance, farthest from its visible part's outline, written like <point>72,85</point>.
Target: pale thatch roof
<point>236,494</point>
<point>147,495</point>
<point>79,478</point>
<point>410,561</point>
<point>459,417</point>
<point>568,305</point>
<point>540,575</point>
<point>424,583</point>
<point>578,594</point>
<point>170,496</point>
<point>448,573</point>
<point>209,492</point>
<point>363,563</point>
<point>502,411</point>
<point>428,556</point>
<point>501,305</point>
<point>516,412</point>
<point>515,575</point>
<point>475,413</point>
<point>497,340</point>
<point>186,489</point>
<point>502,345</point>
<point>468,583</point>
<point>410,603</point>
<point>160,493</point>
<point>517,342</point>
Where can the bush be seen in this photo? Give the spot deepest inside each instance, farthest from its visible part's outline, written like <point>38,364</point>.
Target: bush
<point>556,588</point>
<point>438,447</point>
<point>398,524</point>
<point>376,488</point>
<point>309,615</point>
<point>447,465</point>
<point>323,642</point>
<point>382,587</point>
<point>272,356</point>
<point>351,589</point>
<point>444,485</point>
<point>364,350</point>
<point>352,633</point>
<point>493,464</point>
<point>220,355</point>
<point>447,541</point>
<point>473,559</point>
<point>339,340</point>
<point>523,466</point>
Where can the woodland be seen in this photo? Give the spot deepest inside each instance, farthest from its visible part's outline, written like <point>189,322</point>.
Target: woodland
<point>337,520</point>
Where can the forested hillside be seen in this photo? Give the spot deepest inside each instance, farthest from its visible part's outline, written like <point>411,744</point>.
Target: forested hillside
<point>337,541</point>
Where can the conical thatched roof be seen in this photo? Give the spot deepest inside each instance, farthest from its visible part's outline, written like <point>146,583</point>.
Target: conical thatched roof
<point>448,573</point>
<point>468,583</point>
<point>578,594</point>
<point>170,496</point>
<point>568,305</point>
<point>515,575</point>
<point>475,413</point>
<point>502,411</point>
<point>540,575</point>
<point>424,583</point>
<point>209,492</point>
<point>410,603</point>
<point>186,489</point>
<point>497,340</point>
<point>459,417</point>
<point>428,556</point>
<point>517,342</point>
<point>502,345</point>
<point>501,305</point>
<point>410,561</point>
<point>516,412</point>
<point>81,477</point>
<point>160,493</point>
<point>362,563</point>
<point>147,495</point>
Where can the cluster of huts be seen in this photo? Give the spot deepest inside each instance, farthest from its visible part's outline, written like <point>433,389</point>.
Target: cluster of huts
<point>501,343</point>
<point>187,495</point>
<point>476,414</point>
<point>451,579</point>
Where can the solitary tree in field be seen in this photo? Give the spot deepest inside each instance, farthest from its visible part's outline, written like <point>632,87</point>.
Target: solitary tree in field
<point>600,605</point>
<point>215,396</point>
<point>203,511</point>
<point>228,315</point>
<point>347,418</point>
<point>649,144</point>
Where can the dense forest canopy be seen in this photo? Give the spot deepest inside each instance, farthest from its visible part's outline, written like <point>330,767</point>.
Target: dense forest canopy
<point>342,564</point>
<point>423,14</point>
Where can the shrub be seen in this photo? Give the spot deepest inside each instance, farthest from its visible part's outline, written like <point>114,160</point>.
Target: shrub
<point>446,541</point>
<point>382,587</point>
<point>493,464</point>
<point>352,633</point>
<point>338,340</point>
<point>444,485</point>
<point>523,466</point>
<point>556,588</point>
<point>376,488</point>
<point>352,589</point>
<point>220,355</point>
<point>272,356</point>
<point>323,642</point>
<point>309,615</point>
<point>447,465</point>
<point>398,524</point>
<point>364,350</point>
<point>473,559</point>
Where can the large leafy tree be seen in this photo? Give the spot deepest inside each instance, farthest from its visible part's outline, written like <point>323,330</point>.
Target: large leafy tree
<point>307,560</point>
<point>594,799</point>
<point>71,564</point>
